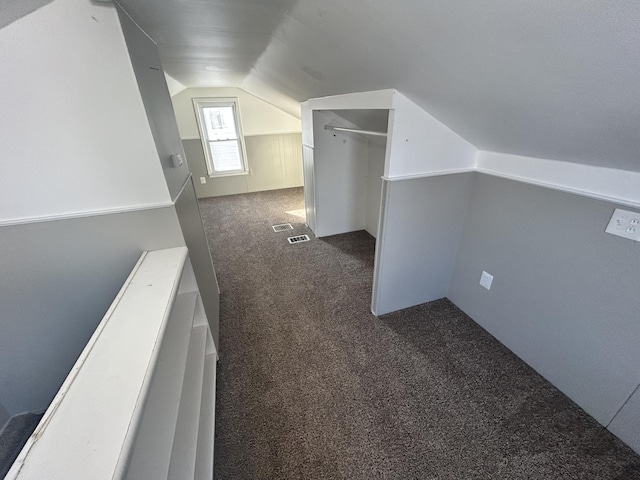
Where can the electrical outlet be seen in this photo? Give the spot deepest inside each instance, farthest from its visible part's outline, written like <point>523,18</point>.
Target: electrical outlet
<point>625,224</point>
<point>486,280</point>
<point>203,180</point>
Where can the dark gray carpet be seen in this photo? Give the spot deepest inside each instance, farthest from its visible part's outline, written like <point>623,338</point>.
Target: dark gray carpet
<point>311,385</point>
<point>13,437</point>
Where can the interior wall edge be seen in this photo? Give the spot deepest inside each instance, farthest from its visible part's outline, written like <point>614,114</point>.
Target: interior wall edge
<point>378,264</point>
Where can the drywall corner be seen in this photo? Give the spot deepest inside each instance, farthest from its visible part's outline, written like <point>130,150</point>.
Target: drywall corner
<point>174,86</point>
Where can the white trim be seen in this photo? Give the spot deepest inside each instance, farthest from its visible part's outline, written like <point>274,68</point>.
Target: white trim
<point>96,213</point>
<point>87,213</point>
<point>560,188</point>
<point>438,173</point>
<point>602,183</point>
<point>522,179</point>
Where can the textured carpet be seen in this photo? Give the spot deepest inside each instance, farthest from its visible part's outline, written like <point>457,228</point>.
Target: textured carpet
<point>13,437</point>
<point>311,385</point>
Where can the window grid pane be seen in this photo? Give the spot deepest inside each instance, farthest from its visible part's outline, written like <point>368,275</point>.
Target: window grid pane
<point>220,123</point>
<point>221,135</point>
<point>225,156</point>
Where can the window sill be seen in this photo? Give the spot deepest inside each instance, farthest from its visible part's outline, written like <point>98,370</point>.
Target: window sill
<point>230,174</point>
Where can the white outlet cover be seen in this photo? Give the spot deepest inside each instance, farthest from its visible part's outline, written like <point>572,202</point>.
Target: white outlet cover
<point>203,180</point>
<point>486,279</point>
<point>625,224</point>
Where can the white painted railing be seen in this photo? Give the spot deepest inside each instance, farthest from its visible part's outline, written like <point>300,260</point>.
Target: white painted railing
<point>139,401</point>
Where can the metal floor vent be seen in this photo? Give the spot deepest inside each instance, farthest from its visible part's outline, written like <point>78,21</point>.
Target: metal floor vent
<point>282,227</point>
<point>298,239</point>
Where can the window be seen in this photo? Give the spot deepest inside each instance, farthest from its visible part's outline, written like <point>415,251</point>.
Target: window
<point>221,136</point>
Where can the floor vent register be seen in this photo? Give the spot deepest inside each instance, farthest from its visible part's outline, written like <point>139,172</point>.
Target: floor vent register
<point>282,227</point>
<point>298,239</point>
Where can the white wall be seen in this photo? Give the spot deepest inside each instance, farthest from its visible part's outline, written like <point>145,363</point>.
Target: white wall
<point>73,129</point>
<point>261,89</point>
<point>272,144</point>
<point>174,86</point>
<point>275,162</point>
<point>258,117</point>
<point>340,177</point>
<point>419,144</point>
<point>420,229</point>
<point>77,145</point>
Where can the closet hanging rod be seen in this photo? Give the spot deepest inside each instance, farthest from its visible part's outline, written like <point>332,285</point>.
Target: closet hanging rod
<point>355,130</point>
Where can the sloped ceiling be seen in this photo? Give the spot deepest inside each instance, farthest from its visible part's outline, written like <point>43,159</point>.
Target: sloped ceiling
<point>12,10</point>
<point>551,79</point>
<point>209,43</point>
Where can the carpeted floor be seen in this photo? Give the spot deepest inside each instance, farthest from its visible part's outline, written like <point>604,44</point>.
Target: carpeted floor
<point>312,386</point>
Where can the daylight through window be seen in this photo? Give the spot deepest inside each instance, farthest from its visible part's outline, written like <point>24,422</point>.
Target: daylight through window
<point>221,136</point>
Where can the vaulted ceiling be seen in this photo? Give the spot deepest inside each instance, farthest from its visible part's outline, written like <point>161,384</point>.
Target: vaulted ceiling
<point>11,10</point>
<point>545,78</point>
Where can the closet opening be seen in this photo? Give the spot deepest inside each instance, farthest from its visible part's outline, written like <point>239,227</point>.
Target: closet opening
<point>343,171</point>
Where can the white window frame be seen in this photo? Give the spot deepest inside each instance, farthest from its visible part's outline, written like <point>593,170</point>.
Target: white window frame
<point>198,105</point>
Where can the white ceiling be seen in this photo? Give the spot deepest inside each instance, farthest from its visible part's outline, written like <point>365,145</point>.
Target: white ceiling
<point>207,43</point>
<point>545,78</point>
<point>11,10</point>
